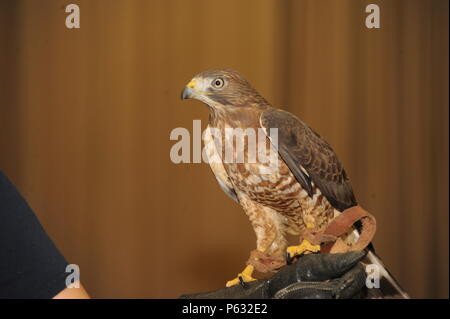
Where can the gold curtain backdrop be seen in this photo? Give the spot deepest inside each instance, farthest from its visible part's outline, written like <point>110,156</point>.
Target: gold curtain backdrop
<point>85,118</point>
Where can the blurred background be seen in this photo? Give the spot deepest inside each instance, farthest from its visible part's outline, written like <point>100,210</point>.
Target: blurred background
<point>85,118</point>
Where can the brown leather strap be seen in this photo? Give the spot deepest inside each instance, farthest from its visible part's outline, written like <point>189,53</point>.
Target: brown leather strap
<point>329,239</point>
<point>343,224</point>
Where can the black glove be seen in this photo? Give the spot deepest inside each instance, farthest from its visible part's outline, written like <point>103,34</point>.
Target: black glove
<point>313,276</point>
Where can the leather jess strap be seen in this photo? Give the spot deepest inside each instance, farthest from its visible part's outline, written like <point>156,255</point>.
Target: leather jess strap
<point>342,224</point>
<point>329,239</point>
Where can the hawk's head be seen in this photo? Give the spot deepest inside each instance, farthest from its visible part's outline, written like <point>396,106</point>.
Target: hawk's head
<point>222,89</point>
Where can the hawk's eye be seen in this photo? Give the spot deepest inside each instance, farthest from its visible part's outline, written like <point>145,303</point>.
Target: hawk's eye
<point>218,83</point>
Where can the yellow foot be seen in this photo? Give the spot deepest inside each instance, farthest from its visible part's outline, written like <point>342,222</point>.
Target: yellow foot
<point>304,248</point>
<point>244,276</point>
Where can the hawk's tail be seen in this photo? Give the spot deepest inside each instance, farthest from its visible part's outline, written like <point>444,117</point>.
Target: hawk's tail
<point>388,286</point>
<point>384,285</point>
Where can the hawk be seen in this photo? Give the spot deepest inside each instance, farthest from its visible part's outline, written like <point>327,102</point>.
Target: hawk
<point>306,191</point>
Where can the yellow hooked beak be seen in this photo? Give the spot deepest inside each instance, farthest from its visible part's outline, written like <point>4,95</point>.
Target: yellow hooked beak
<point>189,90</point>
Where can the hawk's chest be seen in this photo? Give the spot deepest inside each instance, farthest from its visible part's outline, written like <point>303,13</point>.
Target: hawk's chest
<point>255,170</point>
<point>277,189</point>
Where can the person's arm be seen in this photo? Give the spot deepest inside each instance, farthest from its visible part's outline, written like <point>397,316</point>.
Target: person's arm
<point>30,264</point>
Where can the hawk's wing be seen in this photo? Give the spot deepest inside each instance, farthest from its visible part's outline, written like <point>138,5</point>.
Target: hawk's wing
<point>310,158</point>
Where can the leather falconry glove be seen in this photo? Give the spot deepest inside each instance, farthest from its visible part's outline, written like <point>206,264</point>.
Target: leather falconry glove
<point>313,276</point>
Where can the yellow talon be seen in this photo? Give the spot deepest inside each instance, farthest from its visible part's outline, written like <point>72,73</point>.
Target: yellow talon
<point>304,248</point>
<point>245,276</point>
